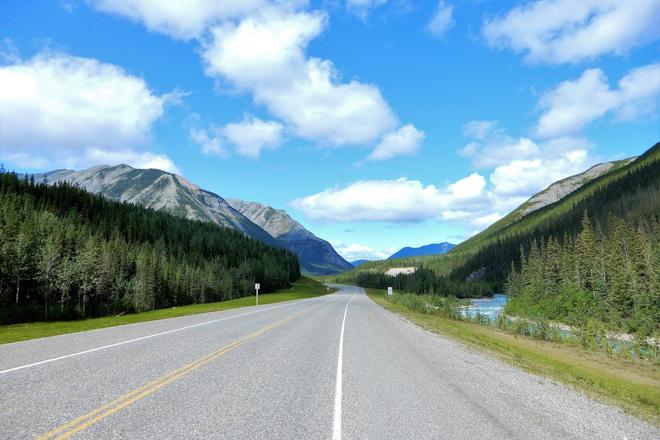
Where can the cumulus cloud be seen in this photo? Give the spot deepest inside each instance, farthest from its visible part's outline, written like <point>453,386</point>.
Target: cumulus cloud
<point>520,165</point>
<point>574,104</point>
<point>399,200</point>
<point>404,141</point>
<point>568,31</point>
<point>179,19</point>
<point>522,178</point>
<point>259,47</point>
<point>492,146</point>
<point>249,137</point>
<point>441,21</point>
<point>59,110</point>
<point>264,54</point>
<point>517,169</point>
<point>253,135</point>
<point>209,141</point>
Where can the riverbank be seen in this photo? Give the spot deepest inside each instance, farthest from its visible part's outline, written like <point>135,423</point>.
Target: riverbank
<point>634,385</point>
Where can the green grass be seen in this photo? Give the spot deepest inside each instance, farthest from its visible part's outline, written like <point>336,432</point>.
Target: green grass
<point>302,289</point>
<point>632,385</point>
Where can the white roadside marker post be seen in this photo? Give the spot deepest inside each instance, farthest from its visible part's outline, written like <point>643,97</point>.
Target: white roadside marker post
<point>257,286</point>
<point>389,291</point>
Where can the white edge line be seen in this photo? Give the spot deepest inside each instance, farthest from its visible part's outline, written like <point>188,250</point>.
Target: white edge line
<point>336,422</point>
<point>142,338</point>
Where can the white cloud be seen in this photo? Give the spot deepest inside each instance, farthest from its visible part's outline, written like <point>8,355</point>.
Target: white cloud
<point>253,135</point>
<point>361,8</point>
<point>479,129</point>
<point>249,137</point>
<point>399,200</point>
<point>179,19</point>
<point>258,47</point>
<point>264,54</point>
<point>525,168</point>
<point>356,251</point>
<point>523,178</point>
<point>130,157</point>
<point>566,31</point>
<point>522,166</point>
<point>492,146</point>
<point>404,141</point>
<point>573,104</point>
<point>209,142</point>
<point>442,20</point>
<point>58,109</point>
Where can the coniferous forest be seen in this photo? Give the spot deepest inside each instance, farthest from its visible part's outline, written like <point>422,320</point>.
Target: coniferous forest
<point>422,282</point>
<point>608,273</point>
<point>66,253</point>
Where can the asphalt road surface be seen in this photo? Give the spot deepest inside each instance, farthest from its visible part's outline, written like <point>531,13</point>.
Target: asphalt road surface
<point>337,366</point>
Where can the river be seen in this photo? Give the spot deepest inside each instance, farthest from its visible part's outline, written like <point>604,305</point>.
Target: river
<point>489,307</point>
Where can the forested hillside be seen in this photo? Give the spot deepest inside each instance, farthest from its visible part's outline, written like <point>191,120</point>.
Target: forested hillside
<point>631,192</point>
<point>66,253</point>
<point>608,273</point>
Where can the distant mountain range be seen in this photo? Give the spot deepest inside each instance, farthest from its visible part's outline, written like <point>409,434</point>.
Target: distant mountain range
<point>169,192</point>
<point>429,249</point>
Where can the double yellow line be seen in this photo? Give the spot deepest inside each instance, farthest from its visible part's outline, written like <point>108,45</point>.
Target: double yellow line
<point>83,422</point>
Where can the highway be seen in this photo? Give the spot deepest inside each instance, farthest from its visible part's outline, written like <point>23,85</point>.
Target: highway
<point>333,367</point>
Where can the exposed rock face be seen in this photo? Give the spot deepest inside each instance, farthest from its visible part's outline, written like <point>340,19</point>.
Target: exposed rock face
<point>159,190</point>
<point>315,255</point>
<point>400,270</point>
<point>169,192</point>
<point>562,188</point>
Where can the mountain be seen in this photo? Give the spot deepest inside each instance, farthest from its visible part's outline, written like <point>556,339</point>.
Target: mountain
<point>316,255</point>
<point>171,193</point>
<point>357,263</point>
<point>429,249</point>
<point>559,190</point>
<point>160,191</point>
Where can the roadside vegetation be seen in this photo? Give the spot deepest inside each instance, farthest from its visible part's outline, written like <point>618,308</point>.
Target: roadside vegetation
<point>607,277</point>
<point>618,377</point>
<point>302,289</point>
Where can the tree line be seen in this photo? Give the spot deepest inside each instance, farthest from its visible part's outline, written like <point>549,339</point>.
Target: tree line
<point>66,253</point>
<point>633,194</point>
<point>608,272</point>
<point>422,282</point>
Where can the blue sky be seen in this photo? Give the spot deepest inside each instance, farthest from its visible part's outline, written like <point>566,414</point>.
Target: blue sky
<point>377,124</point>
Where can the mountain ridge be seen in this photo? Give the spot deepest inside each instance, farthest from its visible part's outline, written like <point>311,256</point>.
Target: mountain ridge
<point>428,249</point>
<point>280,225</point>
<point>162,190</point>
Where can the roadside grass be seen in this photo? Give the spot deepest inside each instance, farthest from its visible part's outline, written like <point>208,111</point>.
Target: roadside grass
<point>632,385</point>
<point>302,289</point>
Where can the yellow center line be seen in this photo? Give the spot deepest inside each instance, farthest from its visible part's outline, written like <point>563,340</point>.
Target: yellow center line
<point>83,422</point>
